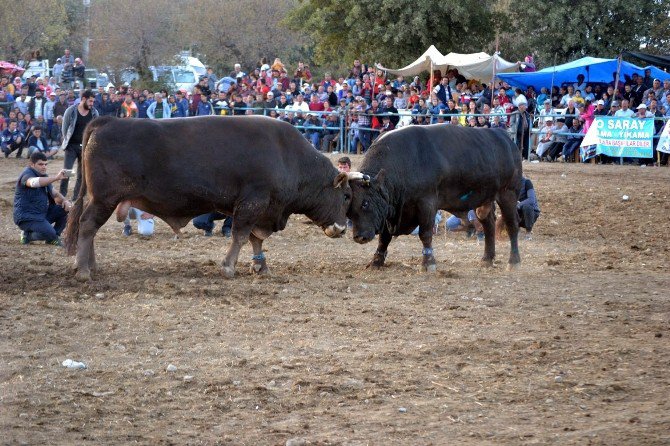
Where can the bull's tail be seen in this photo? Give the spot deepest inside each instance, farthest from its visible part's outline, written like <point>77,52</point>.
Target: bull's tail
<point>72,228</point>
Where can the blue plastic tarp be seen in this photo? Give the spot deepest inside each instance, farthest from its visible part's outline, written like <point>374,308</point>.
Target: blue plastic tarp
<point>594,70</point>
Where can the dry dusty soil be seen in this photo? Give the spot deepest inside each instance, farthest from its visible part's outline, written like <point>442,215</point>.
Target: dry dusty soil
<point>571,348</point>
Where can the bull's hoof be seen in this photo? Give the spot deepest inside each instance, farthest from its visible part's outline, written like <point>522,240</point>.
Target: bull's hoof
<point>260,269</point>
<point>487,263</point>
<point>83,276</point>
<point>374,265</point>
<point>513,266</point>
<point>429,268</point>
<point>228,272</point>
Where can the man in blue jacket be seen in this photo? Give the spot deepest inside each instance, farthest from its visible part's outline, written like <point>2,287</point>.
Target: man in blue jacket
<point>39,210</point>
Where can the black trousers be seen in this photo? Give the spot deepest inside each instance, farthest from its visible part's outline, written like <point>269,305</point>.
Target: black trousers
<point>72,154</point>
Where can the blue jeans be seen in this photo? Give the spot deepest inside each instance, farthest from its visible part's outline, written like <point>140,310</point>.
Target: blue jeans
<point>48,229</point>
<point>206,221</point>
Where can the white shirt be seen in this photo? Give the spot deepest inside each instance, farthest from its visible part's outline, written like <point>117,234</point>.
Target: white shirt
<point>625,113</point>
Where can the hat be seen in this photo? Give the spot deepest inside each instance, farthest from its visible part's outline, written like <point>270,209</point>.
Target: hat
<point>548,101</point>
<point>522,103</point>
<point>270,93</point>
<point>58,60</point>
<point>549,119</point>
<point>53,93</point>
<point>265,67</point>
<point>615,104</point>
<point>600,102</point>
<point>642,106</point>
<point>657,80</point>
<point>62,93</point>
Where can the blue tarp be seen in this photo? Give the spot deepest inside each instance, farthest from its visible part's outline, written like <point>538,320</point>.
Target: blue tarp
<point>594,70</point>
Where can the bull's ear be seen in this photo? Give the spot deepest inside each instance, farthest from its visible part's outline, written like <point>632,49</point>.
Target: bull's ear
<point>380,184</point>
<point>380,176</point>
<point>341,180</point>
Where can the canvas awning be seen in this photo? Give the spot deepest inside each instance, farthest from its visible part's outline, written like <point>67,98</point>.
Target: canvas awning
<point>594,70</point>
<point>477,66</point>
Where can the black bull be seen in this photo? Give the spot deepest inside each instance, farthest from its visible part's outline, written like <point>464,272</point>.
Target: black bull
<point>256,169</point>
<point>412,172</point>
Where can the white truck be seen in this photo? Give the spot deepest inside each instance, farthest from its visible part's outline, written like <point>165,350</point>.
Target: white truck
<point>39,68</point>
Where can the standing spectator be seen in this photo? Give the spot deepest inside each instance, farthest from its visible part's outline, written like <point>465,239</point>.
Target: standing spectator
<point>142,106</point>
<point>212,79</point>
<point>49,111</point>
<point>61,105</point>
<point>158,109</point>
<point>182,105</point>
<point>37,104</point>
<point>204,107</point>
<point>390,109</point>
<point>39,210</point>
<point>58,70</point>
<point>79,73</point>
<point>520,125</point>
<point>128,108</point>
<point>74,122</point>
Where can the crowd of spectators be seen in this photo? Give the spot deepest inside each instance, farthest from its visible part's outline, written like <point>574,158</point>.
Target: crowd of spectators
<point>361,105</point>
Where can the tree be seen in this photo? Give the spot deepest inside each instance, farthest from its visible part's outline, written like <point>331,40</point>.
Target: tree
<point>125,35</point>
<point>567,29</point>
<point>26,31</point>
<point>392,32</point>
<point>242,32</point>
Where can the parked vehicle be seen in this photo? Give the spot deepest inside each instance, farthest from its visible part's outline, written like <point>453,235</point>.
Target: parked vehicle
<point>175,77</point>
<point>95,78</point>
<point>39,68</point>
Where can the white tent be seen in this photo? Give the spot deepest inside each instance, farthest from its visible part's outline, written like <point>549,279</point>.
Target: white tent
<point>477,66</point>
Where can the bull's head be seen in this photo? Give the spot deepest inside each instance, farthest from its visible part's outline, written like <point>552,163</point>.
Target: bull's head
<point>338,217</point>
<point>369,205</point>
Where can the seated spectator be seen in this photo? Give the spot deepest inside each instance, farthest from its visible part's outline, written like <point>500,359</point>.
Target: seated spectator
<point>573,140</point>
<point>145,223</point>
<point>331,131</point>
<point>37,142</point>
<point>624,112</point>
<point>313,129</point>
<point>527,207</point>
<point>12,139</point>
<point>470,224</point>
<point>545,138</point>
<point>559,131</point>
<point>206,223</point>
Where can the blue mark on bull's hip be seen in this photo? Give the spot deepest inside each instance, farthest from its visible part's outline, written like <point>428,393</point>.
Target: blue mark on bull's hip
<point>465,196</point>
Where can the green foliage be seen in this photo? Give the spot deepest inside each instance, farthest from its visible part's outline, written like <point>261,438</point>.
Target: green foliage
<point>569,29</point>
<point>392,32</point>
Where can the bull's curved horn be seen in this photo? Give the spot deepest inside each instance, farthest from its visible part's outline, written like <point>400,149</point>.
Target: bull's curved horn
<point>360,176</point>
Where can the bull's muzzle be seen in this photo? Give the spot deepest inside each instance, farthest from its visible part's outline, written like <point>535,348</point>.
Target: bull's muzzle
<point>335,230</point>
<point>363,237</point>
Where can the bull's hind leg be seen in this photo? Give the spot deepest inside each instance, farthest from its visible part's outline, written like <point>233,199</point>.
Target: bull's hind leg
<point>380,255</point>
<point>258,265</point>
<point>94,216</point>
<point>507,201</point>
<point>487,219</point>
<point>426,224</point>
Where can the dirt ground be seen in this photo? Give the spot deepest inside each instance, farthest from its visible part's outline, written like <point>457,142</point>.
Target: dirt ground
<point>571,348</point>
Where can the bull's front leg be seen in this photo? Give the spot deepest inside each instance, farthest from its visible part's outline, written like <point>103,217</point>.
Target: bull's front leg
<point>487,219</point>
<point>379,258</point>
<point>428,263</point>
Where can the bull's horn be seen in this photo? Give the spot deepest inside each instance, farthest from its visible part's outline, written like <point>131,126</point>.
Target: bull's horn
<point>353,176</point>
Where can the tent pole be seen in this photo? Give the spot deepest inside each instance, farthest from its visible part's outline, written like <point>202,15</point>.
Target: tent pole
<point>551,92</point>
<point>493,72</point>
<point>616,78</point>
<point>431,79</point>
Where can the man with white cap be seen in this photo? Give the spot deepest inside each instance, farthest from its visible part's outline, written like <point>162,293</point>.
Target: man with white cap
<point>600,108</point>
<point>546,137</point>
<point>642,112</point>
